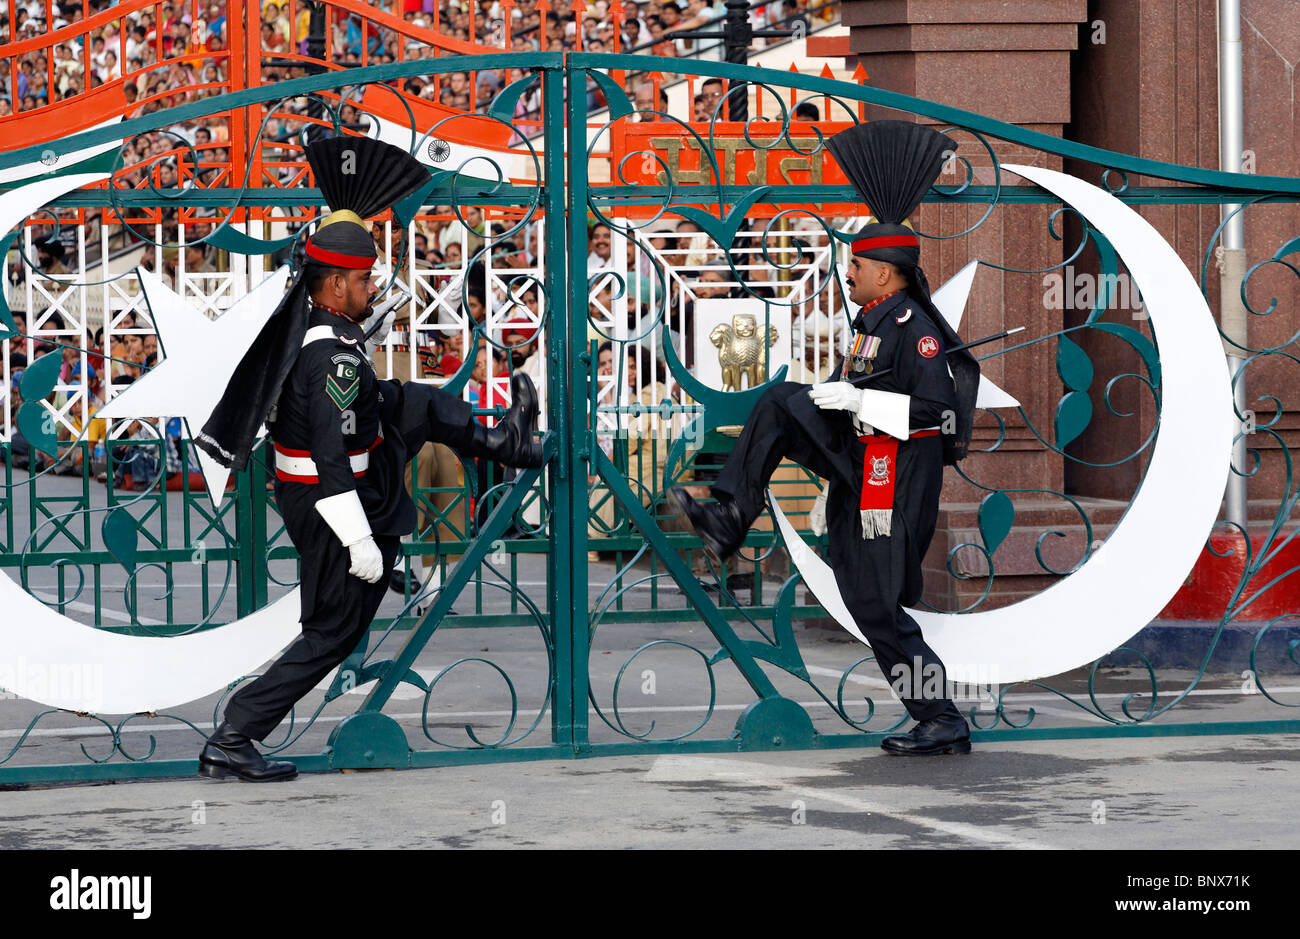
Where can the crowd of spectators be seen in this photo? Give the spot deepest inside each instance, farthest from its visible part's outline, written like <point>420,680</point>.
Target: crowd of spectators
<point>176,51</point>
<point>160,49</point>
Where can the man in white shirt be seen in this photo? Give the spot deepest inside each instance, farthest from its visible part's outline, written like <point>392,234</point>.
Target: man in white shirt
<point>136,43</point>
<point>600,255</point>
<point>697,15</point>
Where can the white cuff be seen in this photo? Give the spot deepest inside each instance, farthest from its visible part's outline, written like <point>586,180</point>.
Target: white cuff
<point>887,411</point>
<point>345,517</point>
<point>817,514</point>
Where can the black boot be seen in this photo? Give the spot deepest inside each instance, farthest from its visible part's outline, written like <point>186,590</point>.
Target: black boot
<point>719,524</point>
<point>947,733</point>
<point>403,584</point>
<point>230,753</point>
<point>511,442</point>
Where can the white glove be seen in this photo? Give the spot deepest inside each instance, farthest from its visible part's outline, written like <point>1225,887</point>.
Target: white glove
<point>384,314</point>
<point>817,515</point>
<point>385,327</point>
<point>367,562</point>
<point>885,410</point>
<point>837,396</point>
<point>347,519</point>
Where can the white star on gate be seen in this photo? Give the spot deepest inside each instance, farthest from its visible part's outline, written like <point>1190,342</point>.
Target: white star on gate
<point>201,355</point>
<point>950,300</point>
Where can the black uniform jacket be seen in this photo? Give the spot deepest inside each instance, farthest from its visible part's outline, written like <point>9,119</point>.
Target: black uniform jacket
<point>333,407</point>
<point>914,349</point>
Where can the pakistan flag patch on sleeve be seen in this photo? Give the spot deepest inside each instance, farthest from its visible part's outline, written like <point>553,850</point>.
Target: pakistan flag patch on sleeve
<point>343,385</point>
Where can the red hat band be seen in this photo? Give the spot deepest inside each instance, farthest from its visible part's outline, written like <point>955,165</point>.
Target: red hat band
<point>886,241</point>
<point>337,259</point>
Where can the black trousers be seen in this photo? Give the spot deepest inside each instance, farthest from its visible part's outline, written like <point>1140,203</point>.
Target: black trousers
<point>337,608</point>
<point>876,576</point>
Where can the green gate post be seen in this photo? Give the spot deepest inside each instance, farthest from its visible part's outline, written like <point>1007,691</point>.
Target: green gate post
<point>258,563</point>
<point>252,567</point>
<point>559,560</point>
<point>575,456</point>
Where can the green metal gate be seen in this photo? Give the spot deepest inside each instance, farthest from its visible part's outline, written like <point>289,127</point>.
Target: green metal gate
<point>749,662</point>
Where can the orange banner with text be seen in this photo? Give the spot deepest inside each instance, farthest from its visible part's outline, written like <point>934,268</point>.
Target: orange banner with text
<point>766,158</point>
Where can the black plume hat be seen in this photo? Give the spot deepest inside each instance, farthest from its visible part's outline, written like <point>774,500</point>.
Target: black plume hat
<point>359,177</point>
<point>891,164</point>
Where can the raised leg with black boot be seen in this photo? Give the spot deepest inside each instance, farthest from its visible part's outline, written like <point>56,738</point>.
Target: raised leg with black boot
<point>877,576</point>
<point>784,423</point>
<point>425,412</point>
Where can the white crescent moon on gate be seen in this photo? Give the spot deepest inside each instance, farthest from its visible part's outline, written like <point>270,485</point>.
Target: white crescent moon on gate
<point>53,660</point>
<point>1126,582</point>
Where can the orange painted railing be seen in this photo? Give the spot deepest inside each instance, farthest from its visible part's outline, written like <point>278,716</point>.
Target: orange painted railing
<point>242,63</point>
<point>234,153</point>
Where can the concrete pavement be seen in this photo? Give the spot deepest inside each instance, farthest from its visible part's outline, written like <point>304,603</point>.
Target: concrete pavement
<point>1163,793</point>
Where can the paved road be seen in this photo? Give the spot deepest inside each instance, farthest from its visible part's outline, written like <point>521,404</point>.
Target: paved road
<point>1190,792</point>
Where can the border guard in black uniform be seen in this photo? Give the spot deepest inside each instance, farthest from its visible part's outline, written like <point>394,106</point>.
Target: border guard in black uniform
<point>342,440</point>
<point>881,501</point>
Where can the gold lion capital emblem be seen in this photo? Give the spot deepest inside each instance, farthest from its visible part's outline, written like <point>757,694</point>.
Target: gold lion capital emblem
<point>740,351</point>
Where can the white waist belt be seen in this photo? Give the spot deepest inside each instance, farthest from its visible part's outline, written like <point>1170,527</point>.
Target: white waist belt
<point>298,466</point>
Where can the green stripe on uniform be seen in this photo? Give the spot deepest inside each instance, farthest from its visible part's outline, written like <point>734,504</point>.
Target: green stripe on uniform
<point>343,397</point>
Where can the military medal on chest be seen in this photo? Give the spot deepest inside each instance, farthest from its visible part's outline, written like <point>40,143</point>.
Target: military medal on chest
<point>862,357</point>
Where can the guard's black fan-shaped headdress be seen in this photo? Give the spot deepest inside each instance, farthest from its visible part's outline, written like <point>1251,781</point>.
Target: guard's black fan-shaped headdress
<point>891,164</point>
<point>359,177</point>
<point>363,175</point>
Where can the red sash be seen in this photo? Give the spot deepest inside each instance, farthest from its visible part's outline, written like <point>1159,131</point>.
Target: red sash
<point>879,475</point>
<point>878,464</point>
